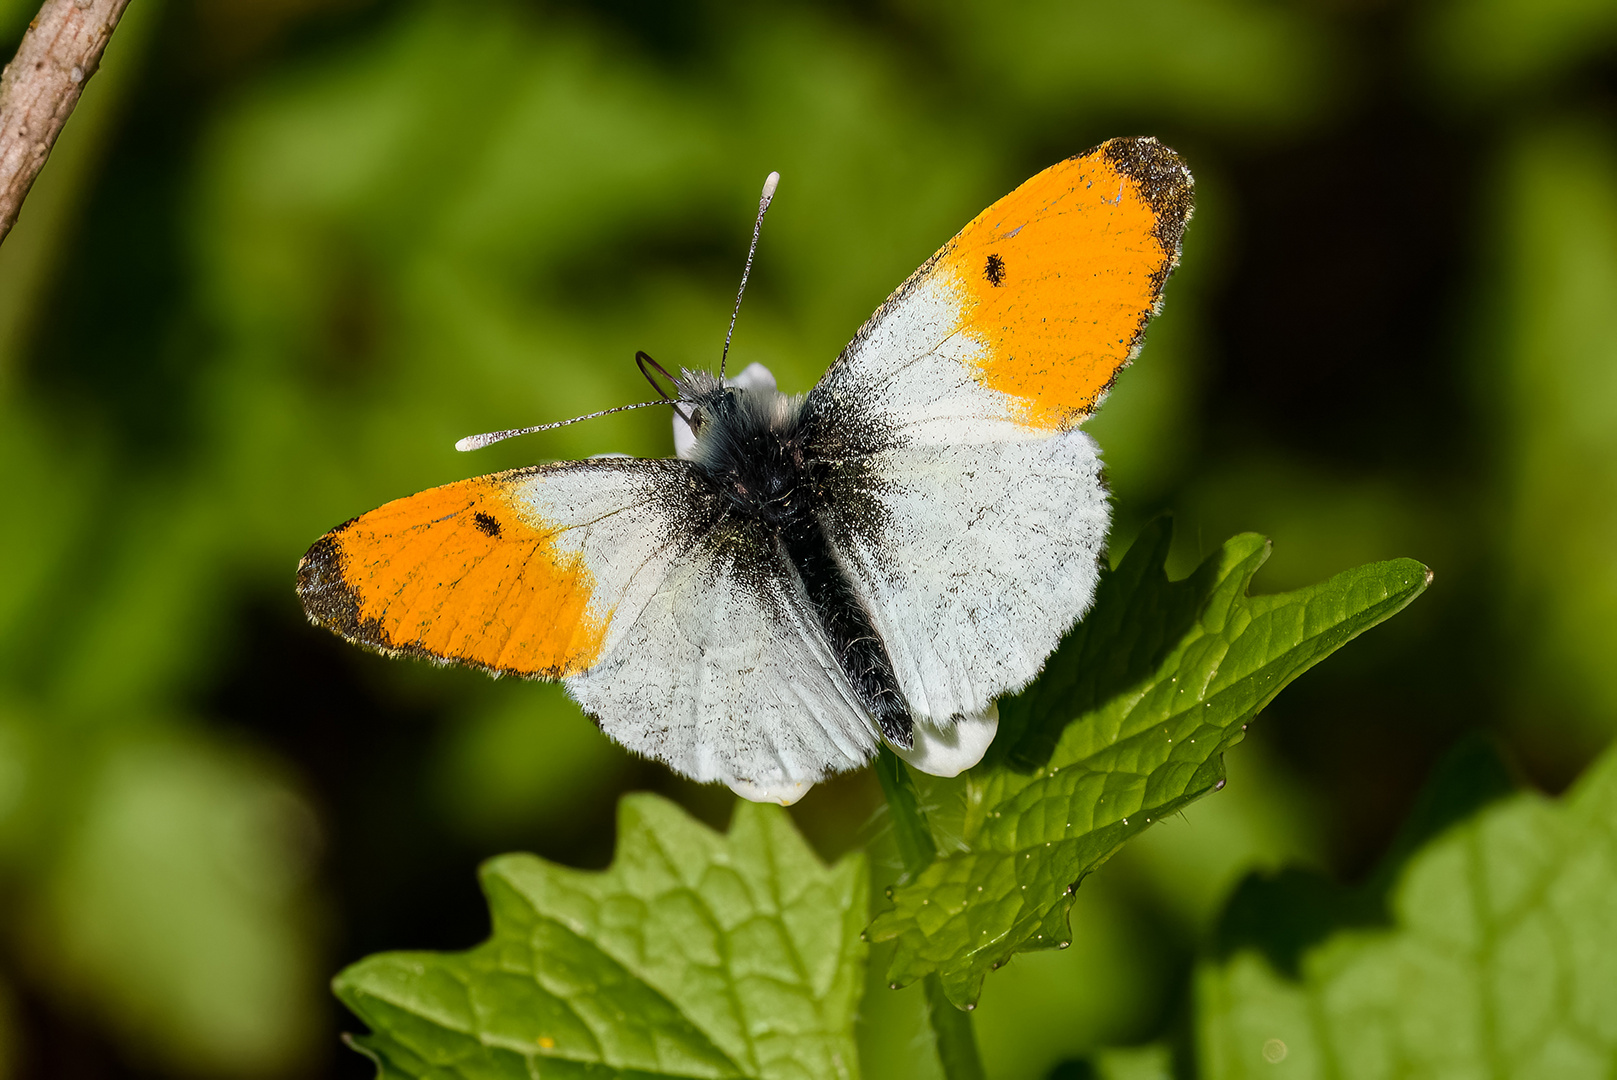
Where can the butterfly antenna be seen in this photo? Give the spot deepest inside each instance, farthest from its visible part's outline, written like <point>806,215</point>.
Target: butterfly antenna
<point>770,183</point>
<point>477,442</point>
<point>642,359</point>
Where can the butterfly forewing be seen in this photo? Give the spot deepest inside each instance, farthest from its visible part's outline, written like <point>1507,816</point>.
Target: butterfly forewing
<point>1018,326</point>
<point>527,572</point>
<point>727,675</point>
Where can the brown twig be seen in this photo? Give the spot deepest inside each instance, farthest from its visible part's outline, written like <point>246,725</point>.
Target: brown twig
<point>39,88</point>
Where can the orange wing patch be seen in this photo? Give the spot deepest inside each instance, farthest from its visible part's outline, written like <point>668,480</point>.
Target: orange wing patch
<point>458,573</point>
<point>1061,275</point>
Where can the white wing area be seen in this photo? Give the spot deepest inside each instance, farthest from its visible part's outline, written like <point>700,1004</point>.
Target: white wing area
<point>985,555</point>
<point>730,679</point>
<point>615,514</point>
<point>914,368</point>
<point>986,544</point>
<point>721,677</point>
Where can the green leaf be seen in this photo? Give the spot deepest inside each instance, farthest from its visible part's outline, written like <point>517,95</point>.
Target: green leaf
<point>695,955</point>
<point>1501,960</point>
<point>1127,724</point>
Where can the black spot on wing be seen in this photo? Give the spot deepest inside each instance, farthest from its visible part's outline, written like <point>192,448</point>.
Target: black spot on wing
<point>995,271</point>
<point>486,524</point>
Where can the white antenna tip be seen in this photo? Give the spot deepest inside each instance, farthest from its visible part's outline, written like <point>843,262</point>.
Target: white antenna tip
<point>771,182</point>
<point>470,442</point>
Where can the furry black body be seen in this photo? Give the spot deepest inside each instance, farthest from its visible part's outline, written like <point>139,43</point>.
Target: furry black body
<point>774,462</point>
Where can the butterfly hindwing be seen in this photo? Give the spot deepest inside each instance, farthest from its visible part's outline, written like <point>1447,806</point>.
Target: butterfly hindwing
<point>726,675</point>
<point>985,554</point>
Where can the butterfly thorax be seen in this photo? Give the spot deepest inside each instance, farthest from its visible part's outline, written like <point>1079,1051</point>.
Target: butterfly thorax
<point>754,447</point>
<point>760,453</point>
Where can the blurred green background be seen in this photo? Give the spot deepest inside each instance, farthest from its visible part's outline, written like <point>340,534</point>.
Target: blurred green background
<point>288,250</point>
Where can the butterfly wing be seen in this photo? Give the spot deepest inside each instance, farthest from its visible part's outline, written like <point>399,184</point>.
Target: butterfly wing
<point>1017,328</point>
<point>959,404</point>
<point>982,558</point>
<point>683,632</point>
<point>726,675</point>
<point>519,573</point>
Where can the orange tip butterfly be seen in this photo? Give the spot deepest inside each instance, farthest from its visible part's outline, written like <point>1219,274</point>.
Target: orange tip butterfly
<point>877,560</point>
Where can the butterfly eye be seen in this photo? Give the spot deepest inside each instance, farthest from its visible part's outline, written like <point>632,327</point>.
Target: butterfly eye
<point>696,420</point>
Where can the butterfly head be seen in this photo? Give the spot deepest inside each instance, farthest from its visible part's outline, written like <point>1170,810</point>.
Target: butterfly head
<point>722,411</point>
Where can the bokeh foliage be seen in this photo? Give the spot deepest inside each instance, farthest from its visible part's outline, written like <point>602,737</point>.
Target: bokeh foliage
<point>1487,949</point>
<point>288,250</point>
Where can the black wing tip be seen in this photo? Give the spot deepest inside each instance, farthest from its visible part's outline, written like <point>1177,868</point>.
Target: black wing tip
<point>328,599</point>
<point>1164,181</point>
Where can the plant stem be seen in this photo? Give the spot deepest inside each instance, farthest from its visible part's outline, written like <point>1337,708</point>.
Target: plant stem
<point>956,1038</point>
<point>951,1027</point>
<point>914,836</point>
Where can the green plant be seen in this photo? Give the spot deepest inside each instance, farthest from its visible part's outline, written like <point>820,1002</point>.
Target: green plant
<point>701,955</point>
<point>1486,947</point>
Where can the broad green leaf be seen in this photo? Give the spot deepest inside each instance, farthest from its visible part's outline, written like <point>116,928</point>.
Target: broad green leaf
<point>1500,960</point>
<point>1127,724</point>
<point>695,955</point>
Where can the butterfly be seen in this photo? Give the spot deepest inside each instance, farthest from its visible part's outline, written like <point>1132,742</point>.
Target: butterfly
<point>878,560</point>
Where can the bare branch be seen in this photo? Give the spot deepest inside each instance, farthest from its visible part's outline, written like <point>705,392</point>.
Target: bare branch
<point>40,87</point>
